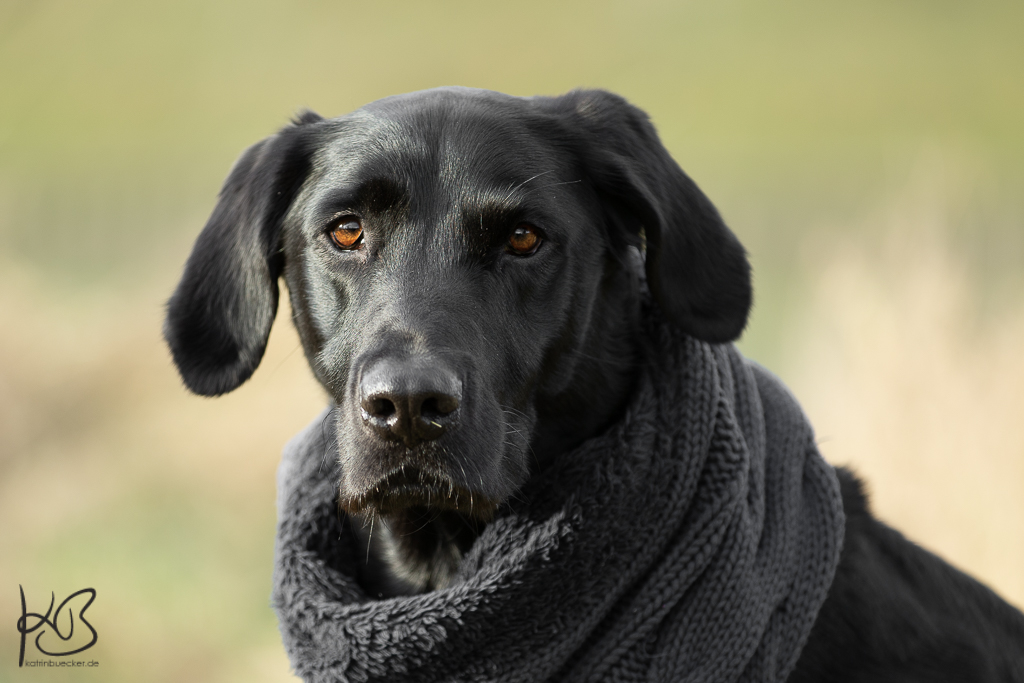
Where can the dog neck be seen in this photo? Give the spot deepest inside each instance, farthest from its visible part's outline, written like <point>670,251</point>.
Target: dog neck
<point>414,551</point>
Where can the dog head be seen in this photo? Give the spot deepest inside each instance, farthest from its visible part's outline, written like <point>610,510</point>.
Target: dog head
<point>458,266</point>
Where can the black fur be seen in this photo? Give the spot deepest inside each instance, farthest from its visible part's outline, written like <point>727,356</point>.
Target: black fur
<point>696,268</point>
<point>219,317</point>
<point>531,354</point>
<point>897,613</point>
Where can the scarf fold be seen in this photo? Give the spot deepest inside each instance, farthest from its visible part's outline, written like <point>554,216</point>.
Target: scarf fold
<point>694,540</point>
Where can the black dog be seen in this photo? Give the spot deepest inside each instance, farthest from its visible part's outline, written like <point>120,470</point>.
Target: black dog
<point>464,270</point>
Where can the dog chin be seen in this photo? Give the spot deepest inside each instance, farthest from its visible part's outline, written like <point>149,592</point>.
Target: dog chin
<point>409,488</point>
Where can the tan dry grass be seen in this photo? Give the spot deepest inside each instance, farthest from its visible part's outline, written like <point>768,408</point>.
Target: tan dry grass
<point>908,385</point>
<point>99,438</point>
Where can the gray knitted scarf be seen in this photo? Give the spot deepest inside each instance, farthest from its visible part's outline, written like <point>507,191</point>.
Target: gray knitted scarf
<point>693,541</point>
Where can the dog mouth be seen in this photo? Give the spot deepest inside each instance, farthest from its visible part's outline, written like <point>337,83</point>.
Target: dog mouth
<point>413,487</point>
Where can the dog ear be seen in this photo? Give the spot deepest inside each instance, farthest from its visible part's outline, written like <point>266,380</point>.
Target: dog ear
<point>219,317</point>
<point>697,269</point>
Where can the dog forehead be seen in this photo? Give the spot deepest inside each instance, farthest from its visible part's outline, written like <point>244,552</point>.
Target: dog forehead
<point>442,111</point>
<point>447,138</point>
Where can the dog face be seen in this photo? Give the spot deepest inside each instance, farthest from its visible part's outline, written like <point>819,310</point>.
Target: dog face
<point>459,271</point>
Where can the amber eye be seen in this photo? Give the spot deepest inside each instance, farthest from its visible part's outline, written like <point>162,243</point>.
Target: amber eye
<point>524,240</point>
<point>347,233</point>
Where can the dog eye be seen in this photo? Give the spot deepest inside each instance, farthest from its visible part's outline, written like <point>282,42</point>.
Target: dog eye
<point>347,233</point>
<point>524,240</point>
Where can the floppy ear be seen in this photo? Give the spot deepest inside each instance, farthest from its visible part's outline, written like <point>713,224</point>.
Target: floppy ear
<point>696,268</point>
<point>219,317</point>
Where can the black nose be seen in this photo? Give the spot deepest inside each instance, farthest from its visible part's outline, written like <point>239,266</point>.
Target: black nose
<point>410,400</point>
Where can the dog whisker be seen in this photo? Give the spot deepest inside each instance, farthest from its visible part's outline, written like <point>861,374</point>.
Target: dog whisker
<point>513,190</point>
<point>544,187</point>
<point>369,540</point>
<point>327,441</point>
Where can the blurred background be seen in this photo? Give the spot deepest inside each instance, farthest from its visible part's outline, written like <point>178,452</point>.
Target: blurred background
<point>869,154</point>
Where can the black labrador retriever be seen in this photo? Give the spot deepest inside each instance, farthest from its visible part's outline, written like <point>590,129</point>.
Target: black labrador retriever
<point>465,271</point>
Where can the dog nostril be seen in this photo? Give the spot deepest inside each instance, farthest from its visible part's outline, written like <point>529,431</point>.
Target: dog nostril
<point>439,406</point>
<point>381,407</point>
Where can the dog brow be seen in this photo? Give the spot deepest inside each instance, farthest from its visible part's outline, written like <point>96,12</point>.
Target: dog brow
<point>520,185</point>
<point>378,193</point>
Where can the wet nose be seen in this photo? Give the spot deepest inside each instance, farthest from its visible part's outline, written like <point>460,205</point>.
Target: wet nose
<point>410,400</point>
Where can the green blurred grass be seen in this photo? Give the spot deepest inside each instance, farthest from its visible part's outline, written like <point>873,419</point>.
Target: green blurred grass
<point>805,122</point>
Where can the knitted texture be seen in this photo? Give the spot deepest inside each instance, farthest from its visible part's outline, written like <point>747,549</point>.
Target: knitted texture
<point>695,540</point>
